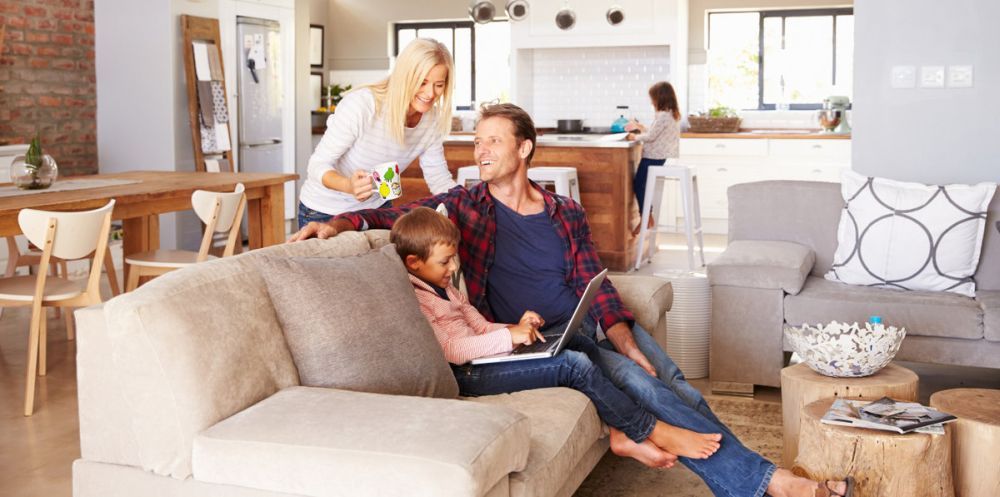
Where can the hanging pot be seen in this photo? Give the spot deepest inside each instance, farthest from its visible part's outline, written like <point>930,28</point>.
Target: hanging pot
<point>517,10</point>
<point>565,19</point>
<point>615,15</point>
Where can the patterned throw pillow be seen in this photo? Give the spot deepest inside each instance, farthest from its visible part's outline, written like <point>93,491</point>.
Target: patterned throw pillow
<point>910,236</point>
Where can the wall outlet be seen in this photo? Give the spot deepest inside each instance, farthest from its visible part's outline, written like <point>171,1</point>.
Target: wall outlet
<point>932,76</point>
<point>959,76</point>
<point>904,77</point>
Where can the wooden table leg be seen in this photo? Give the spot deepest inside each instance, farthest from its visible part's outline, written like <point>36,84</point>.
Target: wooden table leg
<point>140,234</point>
<point>266,218</point>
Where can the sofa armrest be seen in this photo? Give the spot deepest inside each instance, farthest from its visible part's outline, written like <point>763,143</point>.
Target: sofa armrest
<point>308,441</point>
<point>763,264</point>
<point>648,297</point>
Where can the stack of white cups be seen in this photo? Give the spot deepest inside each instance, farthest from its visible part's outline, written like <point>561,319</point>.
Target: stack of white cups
<point>689,322</point>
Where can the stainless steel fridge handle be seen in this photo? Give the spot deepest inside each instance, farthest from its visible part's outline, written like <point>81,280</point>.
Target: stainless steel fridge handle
<point>272,141</point>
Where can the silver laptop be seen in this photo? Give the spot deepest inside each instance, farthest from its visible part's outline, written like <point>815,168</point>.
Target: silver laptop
<point>555,341</point>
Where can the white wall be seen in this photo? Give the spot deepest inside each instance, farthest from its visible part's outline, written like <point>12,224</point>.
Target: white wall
<point>588,83</point>
<point>940,135</point>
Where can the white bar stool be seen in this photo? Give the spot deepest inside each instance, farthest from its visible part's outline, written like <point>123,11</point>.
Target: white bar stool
<point>565,179</point>
<point>692,210</point>
<point>467,176</point>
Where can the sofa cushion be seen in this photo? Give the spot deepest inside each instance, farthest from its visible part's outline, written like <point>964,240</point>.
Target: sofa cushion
<point>763,264</point>
<point>354,323</point>
<point>910,236</point>
<point>318,441</point>
<point>199,344</point>
<point>989,300</point>
<point>938,314</point>
<point>564,426</point>
<point>648,297</point>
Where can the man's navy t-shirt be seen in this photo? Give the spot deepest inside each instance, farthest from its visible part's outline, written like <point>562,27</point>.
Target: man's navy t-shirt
<point>529,271</point>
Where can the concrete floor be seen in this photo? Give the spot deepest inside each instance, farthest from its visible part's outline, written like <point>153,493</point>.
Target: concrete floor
<point>36,452</point>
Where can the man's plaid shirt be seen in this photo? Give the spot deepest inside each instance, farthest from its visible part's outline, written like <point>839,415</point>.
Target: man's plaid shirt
<point>473,212</point>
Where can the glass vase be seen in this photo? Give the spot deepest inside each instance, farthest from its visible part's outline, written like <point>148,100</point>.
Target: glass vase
<point>33,177</point>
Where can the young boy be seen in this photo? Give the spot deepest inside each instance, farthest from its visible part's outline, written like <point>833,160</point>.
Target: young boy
<point>427,242</point>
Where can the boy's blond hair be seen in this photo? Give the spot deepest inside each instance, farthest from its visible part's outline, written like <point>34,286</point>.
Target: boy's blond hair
<point>418,231</point>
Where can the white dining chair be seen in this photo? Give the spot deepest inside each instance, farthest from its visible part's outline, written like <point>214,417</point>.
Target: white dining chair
<point>220,211</point>
<point>66,235</point>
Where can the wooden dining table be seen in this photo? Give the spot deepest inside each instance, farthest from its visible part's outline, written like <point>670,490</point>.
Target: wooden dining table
<point>138,205</point>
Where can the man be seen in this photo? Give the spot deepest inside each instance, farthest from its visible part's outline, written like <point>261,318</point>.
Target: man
<point>512,231</point>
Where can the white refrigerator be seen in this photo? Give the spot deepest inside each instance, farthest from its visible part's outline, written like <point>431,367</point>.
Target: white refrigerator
<point>261,95</point>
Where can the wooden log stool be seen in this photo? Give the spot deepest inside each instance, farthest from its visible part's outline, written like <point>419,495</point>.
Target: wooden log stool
<point>975,439</point>
<point>801,385</point>
<point>883,463</point>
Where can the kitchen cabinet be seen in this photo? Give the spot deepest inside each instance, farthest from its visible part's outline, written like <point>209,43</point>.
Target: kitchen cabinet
<point>724,162</point>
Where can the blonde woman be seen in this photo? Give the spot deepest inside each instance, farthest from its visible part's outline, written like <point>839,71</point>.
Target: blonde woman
<point>405,116</point>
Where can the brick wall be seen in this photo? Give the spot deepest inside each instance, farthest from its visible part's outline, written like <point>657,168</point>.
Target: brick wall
<point>47,80</point>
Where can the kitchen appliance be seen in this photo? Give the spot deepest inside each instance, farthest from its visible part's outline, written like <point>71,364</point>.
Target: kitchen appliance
<point>260,95</point>
<point>618,126</point>
<point>833,116</point>
<point>569,125</point>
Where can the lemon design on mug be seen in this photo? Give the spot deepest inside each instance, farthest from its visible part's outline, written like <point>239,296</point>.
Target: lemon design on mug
<point>383,190</point>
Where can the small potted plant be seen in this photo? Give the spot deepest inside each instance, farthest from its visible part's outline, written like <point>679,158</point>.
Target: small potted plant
<point>34,170</point>
<point>717,120</point>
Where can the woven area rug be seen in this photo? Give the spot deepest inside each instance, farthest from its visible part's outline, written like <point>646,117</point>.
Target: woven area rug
<point>756,423</point>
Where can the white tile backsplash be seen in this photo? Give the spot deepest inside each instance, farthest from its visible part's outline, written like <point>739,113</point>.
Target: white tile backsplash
<point>589,83</point>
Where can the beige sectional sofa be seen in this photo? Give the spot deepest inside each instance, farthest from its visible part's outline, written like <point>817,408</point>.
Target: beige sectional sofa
<point>187,388</point>
<point>782,237</point>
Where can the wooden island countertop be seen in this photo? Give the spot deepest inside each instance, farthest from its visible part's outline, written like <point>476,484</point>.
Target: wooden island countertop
<point>605,171</point>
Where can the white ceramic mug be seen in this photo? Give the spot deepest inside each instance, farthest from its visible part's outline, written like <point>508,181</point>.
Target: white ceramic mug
<point>386,181</point>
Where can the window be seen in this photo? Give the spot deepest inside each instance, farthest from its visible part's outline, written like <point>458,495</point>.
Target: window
<point>488,82</point>
<point>779,58</point>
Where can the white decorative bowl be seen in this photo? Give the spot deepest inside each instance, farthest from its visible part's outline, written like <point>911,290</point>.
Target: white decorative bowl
<point>846,350</point>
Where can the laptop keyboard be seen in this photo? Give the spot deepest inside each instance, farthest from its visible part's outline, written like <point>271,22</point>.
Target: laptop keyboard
<point>538,346</point>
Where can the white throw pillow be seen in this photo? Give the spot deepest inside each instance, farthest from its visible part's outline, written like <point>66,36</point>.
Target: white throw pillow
<point>910,236</point>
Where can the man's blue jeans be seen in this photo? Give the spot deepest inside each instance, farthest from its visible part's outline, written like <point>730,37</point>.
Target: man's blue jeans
<point>733,471</point>
<point>571,368</point>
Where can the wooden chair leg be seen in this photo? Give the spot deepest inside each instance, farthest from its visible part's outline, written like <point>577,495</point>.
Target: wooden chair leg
<point>133,278</point>
<point>32,369</point>
<point>43,344</point>
<point>56,267</point>
<point>70,324</point>
<point>109,266</point>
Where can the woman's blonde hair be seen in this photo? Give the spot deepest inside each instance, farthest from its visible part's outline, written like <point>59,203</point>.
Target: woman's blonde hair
<point>394,94</point>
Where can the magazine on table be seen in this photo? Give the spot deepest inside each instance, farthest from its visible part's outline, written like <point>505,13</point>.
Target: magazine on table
<point>887,414</point>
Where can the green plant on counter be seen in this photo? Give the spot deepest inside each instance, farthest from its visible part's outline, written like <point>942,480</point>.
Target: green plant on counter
<point>721,111</point>
<point>337,93</point>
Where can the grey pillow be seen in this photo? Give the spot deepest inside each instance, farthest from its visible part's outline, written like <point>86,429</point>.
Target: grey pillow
<point>354,323</point>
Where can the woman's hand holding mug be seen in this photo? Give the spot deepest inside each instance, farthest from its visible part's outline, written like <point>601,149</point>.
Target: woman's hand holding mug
<point>361,185</point>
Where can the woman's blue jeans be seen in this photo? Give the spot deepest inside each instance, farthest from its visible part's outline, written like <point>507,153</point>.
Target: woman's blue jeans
<point>306,215</point>
<point>733,471</point>
<point>573,368</point>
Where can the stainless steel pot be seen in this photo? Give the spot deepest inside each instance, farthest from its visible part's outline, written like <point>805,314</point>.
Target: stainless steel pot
<point>569,125</point>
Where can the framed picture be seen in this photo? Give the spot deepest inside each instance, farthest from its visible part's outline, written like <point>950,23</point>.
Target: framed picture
<point>315,45</point>
<point>316,89</point>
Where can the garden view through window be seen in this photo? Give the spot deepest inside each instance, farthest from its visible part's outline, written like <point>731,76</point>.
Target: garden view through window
<point>788,59</point>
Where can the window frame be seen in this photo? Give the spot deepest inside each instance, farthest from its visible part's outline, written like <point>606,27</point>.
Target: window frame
<point>832,12</point>
<point>453,25</point>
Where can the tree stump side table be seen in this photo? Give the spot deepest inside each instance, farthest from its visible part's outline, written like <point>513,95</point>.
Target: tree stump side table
<point>801,385</point>
<point>882,463</point>
<point>975,439</point>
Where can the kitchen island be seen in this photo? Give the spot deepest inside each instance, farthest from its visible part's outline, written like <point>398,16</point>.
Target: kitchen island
<point>605,170</point>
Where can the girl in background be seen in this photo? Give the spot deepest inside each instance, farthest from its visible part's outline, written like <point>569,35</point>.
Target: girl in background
<point>404,116</point>
<point>659,142</point>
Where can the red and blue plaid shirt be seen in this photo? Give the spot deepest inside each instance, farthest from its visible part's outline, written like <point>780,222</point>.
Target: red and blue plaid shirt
<point>473,212</point>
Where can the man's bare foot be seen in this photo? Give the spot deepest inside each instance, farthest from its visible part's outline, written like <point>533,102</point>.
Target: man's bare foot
<point>785,484</point>
<point>645,452</point>
<point>685,442</point>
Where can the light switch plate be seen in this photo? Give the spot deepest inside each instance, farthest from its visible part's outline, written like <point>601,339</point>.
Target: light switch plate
<point>959,76</point>
<point>932,76</point>
<point>904,77</point>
